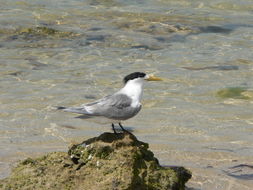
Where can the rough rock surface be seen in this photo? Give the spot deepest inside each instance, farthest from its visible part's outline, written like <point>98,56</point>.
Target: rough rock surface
<point>106,162</point>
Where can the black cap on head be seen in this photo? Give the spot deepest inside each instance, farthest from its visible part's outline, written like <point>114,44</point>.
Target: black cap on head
<point>134,76</point>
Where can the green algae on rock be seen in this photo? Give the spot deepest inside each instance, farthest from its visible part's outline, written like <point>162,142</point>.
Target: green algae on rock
<point>37,31</point>
<point>44,31</point>
<point>106,162</point>
<point>233,92</point>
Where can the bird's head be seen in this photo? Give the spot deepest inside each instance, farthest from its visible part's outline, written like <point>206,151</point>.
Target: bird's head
<point>139,76</point>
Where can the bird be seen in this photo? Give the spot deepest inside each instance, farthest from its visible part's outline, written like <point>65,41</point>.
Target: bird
<point>120,106</point>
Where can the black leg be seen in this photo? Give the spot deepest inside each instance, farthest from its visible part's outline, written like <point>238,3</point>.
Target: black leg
<point>113,129</point>
<point>123,128</point>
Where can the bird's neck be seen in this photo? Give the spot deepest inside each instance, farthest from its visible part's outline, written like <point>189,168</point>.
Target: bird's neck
<point>134,90</point>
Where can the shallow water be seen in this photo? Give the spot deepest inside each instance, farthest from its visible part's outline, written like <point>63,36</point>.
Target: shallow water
<point>72,52</point>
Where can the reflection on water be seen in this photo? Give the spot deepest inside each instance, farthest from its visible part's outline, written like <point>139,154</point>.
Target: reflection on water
<point>72,52</point>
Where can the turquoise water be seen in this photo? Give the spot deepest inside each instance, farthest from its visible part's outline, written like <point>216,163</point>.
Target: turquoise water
<point>72,52</point>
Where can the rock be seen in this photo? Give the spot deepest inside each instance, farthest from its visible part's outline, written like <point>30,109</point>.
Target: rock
<point>109,161</point>
<point>234,92</point>
<point>218,67</point>
<point>240,171</point>
<point>44,31</point>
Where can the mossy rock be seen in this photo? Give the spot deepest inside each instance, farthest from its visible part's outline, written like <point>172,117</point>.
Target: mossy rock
<point>44,31</point>
<point>110,161</point>
<point>233,92</point>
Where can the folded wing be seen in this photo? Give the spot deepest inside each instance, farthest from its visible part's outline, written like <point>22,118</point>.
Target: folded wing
<point>116,106</point>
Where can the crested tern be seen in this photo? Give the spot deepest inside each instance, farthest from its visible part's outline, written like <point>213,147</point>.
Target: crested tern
<point>122,105</point>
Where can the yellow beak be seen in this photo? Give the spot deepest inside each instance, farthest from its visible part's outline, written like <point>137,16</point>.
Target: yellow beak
<point>152,78</point>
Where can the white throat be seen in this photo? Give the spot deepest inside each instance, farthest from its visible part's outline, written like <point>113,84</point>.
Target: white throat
<point>133,89</point>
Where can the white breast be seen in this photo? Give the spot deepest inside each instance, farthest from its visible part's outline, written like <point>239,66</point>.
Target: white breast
<point>133,89</point>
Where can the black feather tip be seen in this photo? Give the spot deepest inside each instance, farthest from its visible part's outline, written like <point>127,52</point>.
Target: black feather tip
<point>61,108</point>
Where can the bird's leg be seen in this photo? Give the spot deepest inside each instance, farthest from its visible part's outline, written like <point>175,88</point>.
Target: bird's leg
<point>123,128</point>
<point>113,129</point>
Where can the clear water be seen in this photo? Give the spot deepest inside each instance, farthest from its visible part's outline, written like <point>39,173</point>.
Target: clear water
<point>71,52</point>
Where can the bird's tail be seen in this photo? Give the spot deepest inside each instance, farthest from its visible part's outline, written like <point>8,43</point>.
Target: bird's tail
<point>80,110</point>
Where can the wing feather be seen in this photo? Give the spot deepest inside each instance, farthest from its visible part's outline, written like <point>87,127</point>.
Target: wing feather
<point>116,106</point>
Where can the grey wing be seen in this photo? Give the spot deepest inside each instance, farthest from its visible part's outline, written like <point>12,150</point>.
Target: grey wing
<point>117,106</point>
<point>87,109</point>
